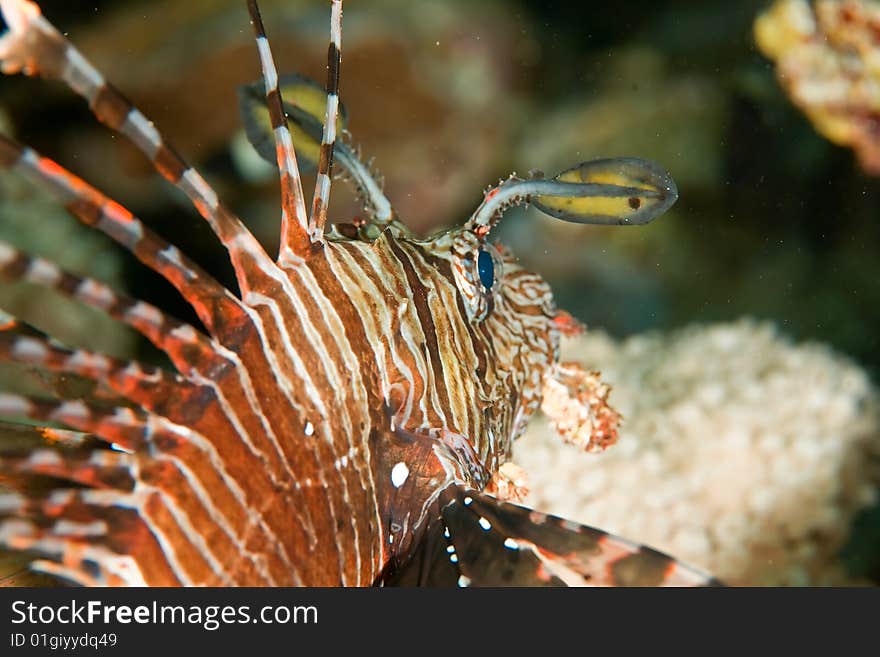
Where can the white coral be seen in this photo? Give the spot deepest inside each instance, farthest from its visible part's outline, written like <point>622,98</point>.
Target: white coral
<point>741,453</point>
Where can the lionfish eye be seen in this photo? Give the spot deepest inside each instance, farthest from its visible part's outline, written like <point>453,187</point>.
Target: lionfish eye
<point>477,268</point>
<point>486,269</point>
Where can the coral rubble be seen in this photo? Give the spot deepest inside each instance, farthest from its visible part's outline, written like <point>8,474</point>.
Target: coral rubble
<point>740,452</point>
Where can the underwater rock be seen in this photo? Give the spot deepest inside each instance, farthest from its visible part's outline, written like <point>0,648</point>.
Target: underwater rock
<point>740,452</point>
<point>827,57</point>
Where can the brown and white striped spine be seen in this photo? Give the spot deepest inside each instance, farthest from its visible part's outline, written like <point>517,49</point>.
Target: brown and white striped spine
<point>321,199</point>
<point>141,384</point>
<point>34,46</point>
<point>294,218</point>
<point>185,346</point>
<point>208,298</point>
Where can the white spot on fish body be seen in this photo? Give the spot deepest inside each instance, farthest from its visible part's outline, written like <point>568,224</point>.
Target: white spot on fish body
<point>399,474</point>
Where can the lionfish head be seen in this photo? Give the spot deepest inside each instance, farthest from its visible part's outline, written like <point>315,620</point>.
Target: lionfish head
<point>515,307</point>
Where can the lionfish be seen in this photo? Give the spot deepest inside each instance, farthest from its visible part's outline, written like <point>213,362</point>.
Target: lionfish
<point>348,417</point>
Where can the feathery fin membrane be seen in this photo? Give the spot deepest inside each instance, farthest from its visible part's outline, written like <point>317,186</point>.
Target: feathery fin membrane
<point>476,540</point>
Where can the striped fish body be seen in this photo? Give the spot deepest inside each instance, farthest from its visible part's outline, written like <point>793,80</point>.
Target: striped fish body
<point>337,423</point>
<point>348,353</point>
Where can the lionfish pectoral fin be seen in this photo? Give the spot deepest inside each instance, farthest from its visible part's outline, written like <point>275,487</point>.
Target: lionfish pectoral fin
<point>144,385</point>
<point>15,565</point>
<point>209,298</point>
<point>33,459</point>
<point>15,570</point>
<point>475,540</point>
<point>63,514</point>
<point>186,347</point>
<point>411,469</point>
<point>80,536</point>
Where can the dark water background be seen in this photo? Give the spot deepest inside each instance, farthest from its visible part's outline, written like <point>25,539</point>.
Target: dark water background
<point>773,221</point>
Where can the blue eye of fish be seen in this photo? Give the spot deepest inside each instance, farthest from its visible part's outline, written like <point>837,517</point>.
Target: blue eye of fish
<point>486,269</point>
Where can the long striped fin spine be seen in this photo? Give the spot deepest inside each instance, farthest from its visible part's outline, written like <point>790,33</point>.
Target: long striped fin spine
<point>144,385</point>
<point>321,200</point>
<point>211,301</point>
<point>33,46</point>
<point>185,346</point>
<point>301,106</point>
<point>294,219</point>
